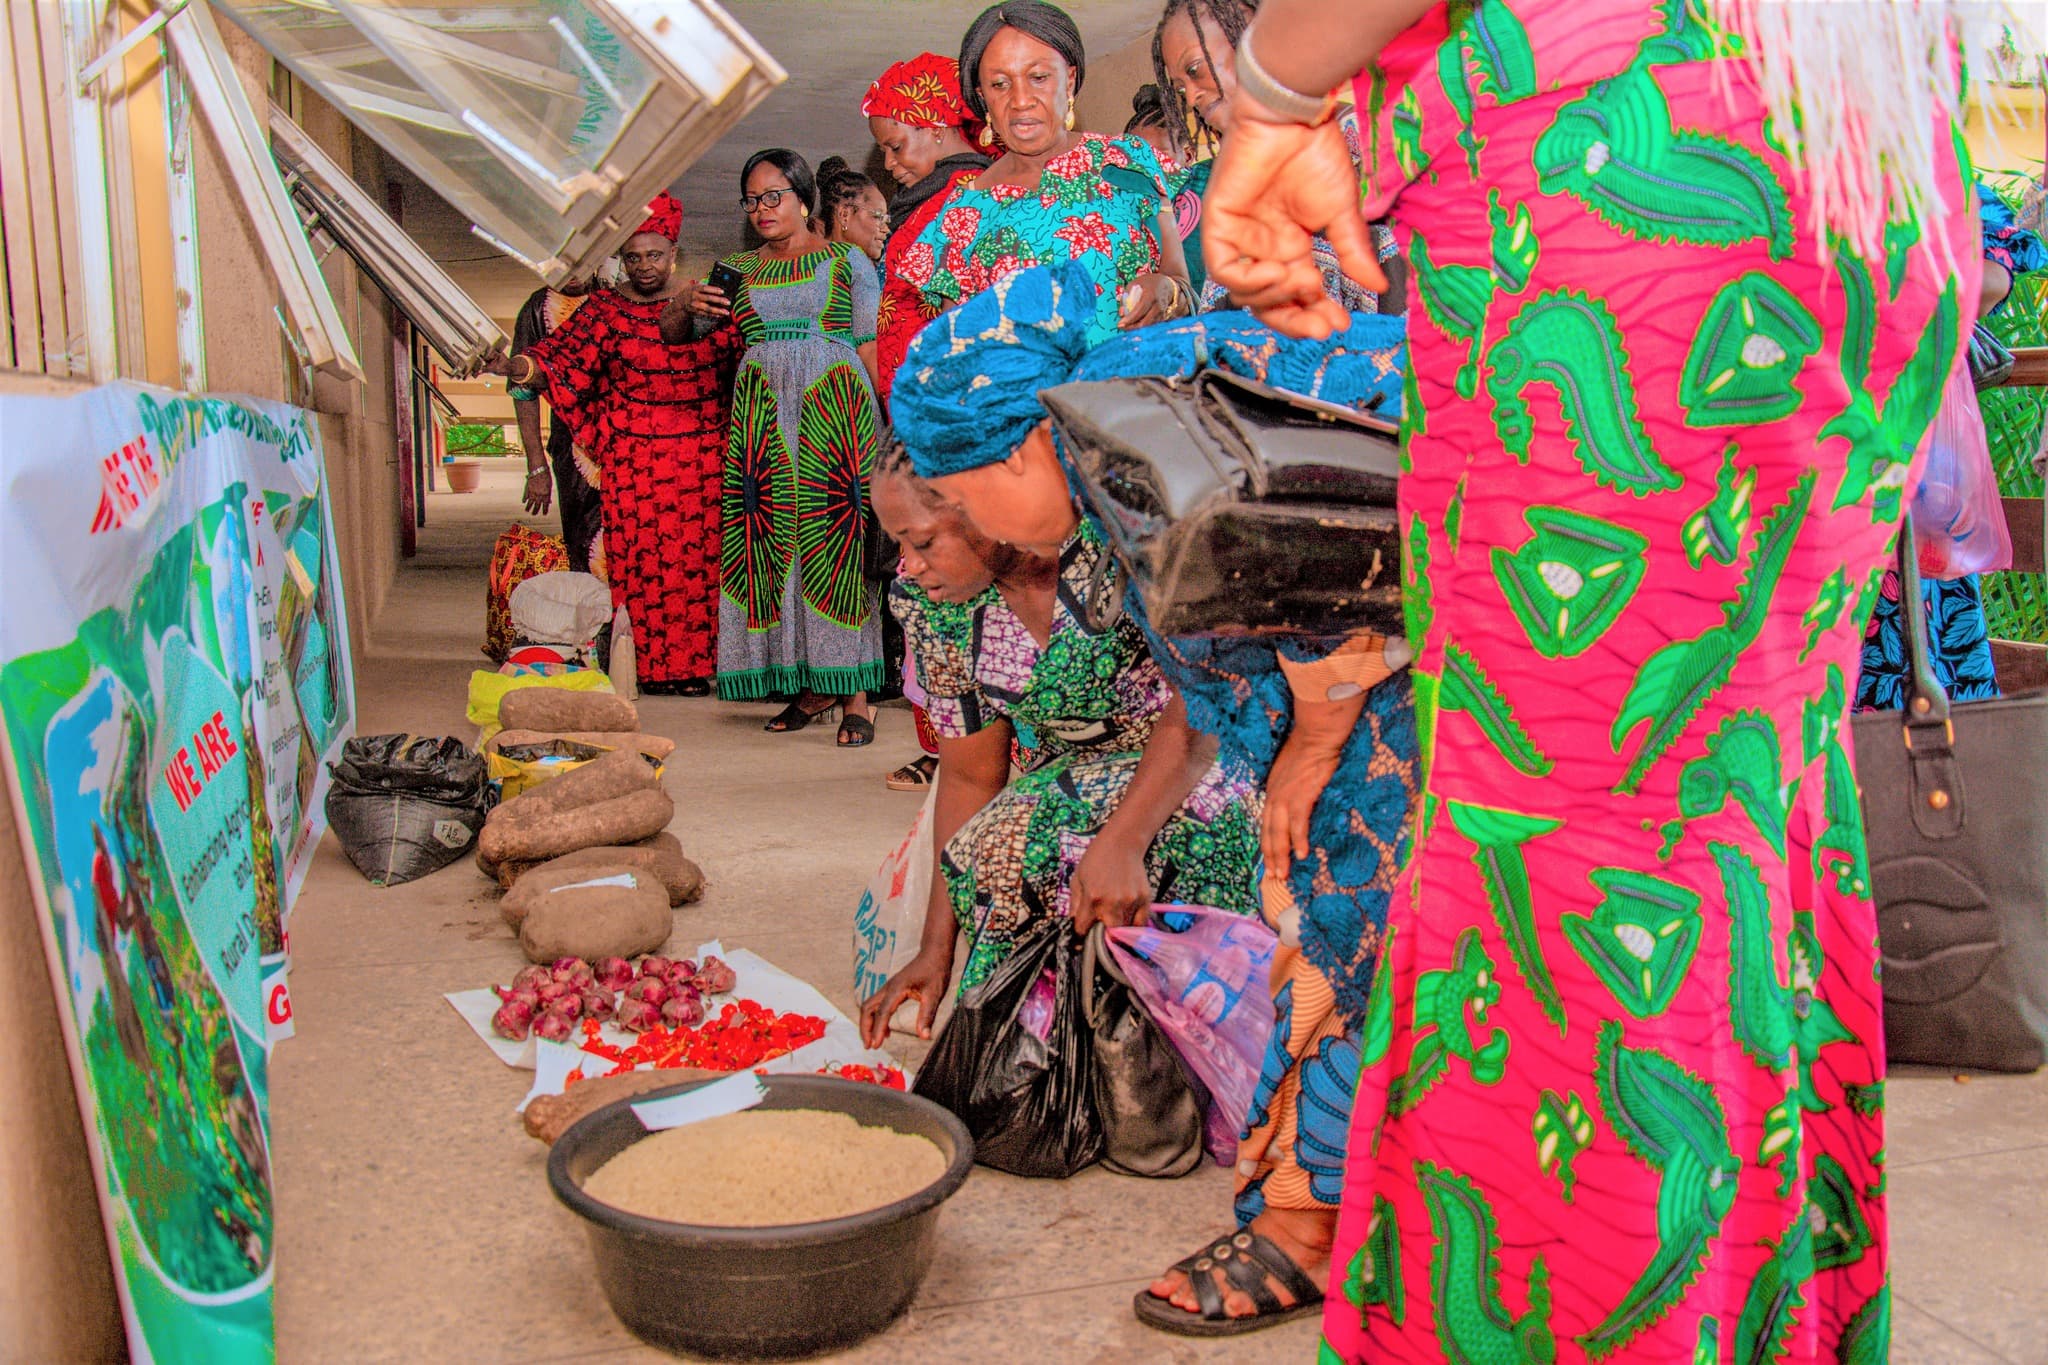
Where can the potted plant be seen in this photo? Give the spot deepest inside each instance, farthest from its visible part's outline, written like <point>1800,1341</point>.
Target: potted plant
<point>466,441</point>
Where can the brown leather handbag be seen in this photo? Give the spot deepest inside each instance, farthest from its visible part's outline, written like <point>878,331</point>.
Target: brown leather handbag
<point>1955,810</point>
<point>1236,506</point>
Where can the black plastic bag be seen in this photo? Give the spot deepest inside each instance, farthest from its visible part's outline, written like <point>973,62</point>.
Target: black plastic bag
<point>1151,1105</point>
<point>407,805</point>
<point>1016,1063</point>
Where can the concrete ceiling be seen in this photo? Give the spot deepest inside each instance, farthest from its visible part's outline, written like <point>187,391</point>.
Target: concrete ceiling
<point>833,50</point>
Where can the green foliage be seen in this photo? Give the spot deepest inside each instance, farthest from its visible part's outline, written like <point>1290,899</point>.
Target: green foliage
<point>466,439</point>
<point>2017,604</point>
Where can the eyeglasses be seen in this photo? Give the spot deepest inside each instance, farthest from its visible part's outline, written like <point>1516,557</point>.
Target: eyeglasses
<point>766,199</point>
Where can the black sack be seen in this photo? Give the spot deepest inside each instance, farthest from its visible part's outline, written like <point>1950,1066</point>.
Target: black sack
<point>1026,1100</point>
<point>1151,1106</point>
<point>407,805</point>
<point>1955,811</point>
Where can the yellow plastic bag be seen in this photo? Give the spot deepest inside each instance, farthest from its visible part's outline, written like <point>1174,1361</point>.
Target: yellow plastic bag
<point>522,767</point>
<point>487,690</point>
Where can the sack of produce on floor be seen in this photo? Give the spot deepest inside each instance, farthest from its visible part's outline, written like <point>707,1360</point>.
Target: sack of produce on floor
<point>520,553</point>
<point>407,805</point>
<point>488,692</point>
<point>660,857</point>
<point>565,610</point>
<point>1016,1065</point>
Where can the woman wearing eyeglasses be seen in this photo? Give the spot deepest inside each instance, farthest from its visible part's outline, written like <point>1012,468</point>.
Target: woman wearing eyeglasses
<point>797,616</point>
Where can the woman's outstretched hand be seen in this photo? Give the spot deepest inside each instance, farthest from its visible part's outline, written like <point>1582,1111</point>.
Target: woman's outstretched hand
<point>1276,186</point>
<point>925,979</point>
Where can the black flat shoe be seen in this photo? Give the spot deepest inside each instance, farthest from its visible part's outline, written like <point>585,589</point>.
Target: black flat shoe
<point>856,732</point>
<point>694,687</point>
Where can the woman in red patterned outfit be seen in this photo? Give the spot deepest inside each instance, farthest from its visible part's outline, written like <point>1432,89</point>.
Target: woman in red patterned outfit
<point>928,139</point>
<point>653,415</point>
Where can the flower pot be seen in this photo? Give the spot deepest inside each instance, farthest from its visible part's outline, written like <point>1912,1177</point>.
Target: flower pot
<point>463,475</point>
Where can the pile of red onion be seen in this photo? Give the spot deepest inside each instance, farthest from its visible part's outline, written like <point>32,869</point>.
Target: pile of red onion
<point>658,992</point>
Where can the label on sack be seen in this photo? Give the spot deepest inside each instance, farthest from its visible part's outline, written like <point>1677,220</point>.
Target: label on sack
<point>625,879</point>
<point>453,833</point>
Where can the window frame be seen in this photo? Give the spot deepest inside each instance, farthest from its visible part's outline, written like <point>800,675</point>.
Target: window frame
<point>330,202</point>
<point>696,55</point>
<point>215,89</point>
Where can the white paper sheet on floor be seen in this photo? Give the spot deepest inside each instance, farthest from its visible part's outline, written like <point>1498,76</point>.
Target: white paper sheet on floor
<point>754,978</point>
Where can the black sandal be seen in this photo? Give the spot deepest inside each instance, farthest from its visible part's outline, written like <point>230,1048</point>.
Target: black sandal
<point>913,777</point>
<point>1248,1260</point>
<point>794,717</point>
<point>862,730</point>
<point>694,687</point>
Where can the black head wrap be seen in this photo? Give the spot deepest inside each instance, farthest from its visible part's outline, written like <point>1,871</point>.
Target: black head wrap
<point>1049,24</point>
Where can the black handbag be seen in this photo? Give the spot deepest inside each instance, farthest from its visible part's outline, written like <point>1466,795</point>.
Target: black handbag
<point>1149,1104</point>
<point>1955,811</point>
<point>1234,506</point>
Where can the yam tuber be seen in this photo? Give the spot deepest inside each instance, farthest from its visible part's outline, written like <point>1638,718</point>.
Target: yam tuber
<point>550,1116</point>
<point>557,711</point>
<point>662,856</point>
<point>587,920</point>
<point>542,833</point>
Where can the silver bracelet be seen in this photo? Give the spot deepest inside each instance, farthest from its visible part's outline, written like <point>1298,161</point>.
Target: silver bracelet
<point>1257,82</point>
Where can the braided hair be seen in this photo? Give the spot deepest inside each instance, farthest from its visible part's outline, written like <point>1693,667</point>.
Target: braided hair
<point>1232,17</point>
<point>839,187</point>
<point>893,461</point>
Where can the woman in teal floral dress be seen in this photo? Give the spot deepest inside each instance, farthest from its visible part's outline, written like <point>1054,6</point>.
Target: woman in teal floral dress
<point>1055,195</point>
<point>1119,804</point>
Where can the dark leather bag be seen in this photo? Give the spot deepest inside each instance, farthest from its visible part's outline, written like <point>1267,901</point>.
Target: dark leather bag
<point>1955,810</point>
<point>1235,506</point>
<point>1150,1105</point>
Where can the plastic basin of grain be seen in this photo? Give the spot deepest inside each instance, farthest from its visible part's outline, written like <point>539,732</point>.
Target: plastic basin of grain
<point>764,1293</point>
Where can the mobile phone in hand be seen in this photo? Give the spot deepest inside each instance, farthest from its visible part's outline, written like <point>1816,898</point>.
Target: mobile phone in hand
<point>727,280</point>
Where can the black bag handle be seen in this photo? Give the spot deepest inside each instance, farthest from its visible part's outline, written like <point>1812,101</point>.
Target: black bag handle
<point>1929,732</point>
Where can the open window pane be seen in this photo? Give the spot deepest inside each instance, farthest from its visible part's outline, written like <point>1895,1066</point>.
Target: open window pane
<point>316,329</point>
<point>332,203</point>
<point>549,123</point>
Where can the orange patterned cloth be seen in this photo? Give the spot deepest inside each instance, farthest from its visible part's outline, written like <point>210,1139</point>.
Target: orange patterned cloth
<point>520,554</point>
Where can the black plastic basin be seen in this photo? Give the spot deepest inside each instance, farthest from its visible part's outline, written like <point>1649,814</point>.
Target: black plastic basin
<point>777,1293</point>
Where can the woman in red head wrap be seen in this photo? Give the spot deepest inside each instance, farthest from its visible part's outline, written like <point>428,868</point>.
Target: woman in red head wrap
<point>653,416</point>
<point>930,141</point>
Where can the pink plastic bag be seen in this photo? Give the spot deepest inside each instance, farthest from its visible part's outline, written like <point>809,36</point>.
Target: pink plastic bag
<point>1203,975</point>
<point>1958,522</point>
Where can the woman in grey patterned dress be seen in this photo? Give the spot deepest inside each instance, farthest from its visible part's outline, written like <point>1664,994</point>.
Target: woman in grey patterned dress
<point>797,613</point>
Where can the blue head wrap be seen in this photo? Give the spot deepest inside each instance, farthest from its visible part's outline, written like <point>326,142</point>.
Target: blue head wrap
<point>967,394</point>
<point>1359,367</point>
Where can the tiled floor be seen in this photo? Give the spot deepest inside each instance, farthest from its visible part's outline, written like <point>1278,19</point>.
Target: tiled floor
<point>415,1221</point>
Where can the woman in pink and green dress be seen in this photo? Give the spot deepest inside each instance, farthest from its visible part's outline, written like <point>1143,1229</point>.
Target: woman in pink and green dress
<point>1623,1092</point>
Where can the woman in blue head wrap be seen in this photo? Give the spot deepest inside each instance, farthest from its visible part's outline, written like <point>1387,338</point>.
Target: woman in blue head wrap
<point>1119,803</point>
<point>1327,726</point>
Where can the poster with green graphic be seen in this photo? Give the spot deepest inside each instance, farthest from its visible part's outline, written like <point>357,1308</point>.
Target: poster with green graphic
<point>174,678</point>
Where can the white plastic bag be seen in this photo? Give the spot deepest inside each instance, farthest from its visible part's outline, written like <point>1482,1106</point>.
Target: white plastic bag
<point>890,922</point>
<point>560,608</point>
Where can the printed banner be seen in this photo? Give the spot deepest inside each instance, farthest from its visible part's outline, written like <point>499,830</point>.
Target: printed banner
<point>174,672</point>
